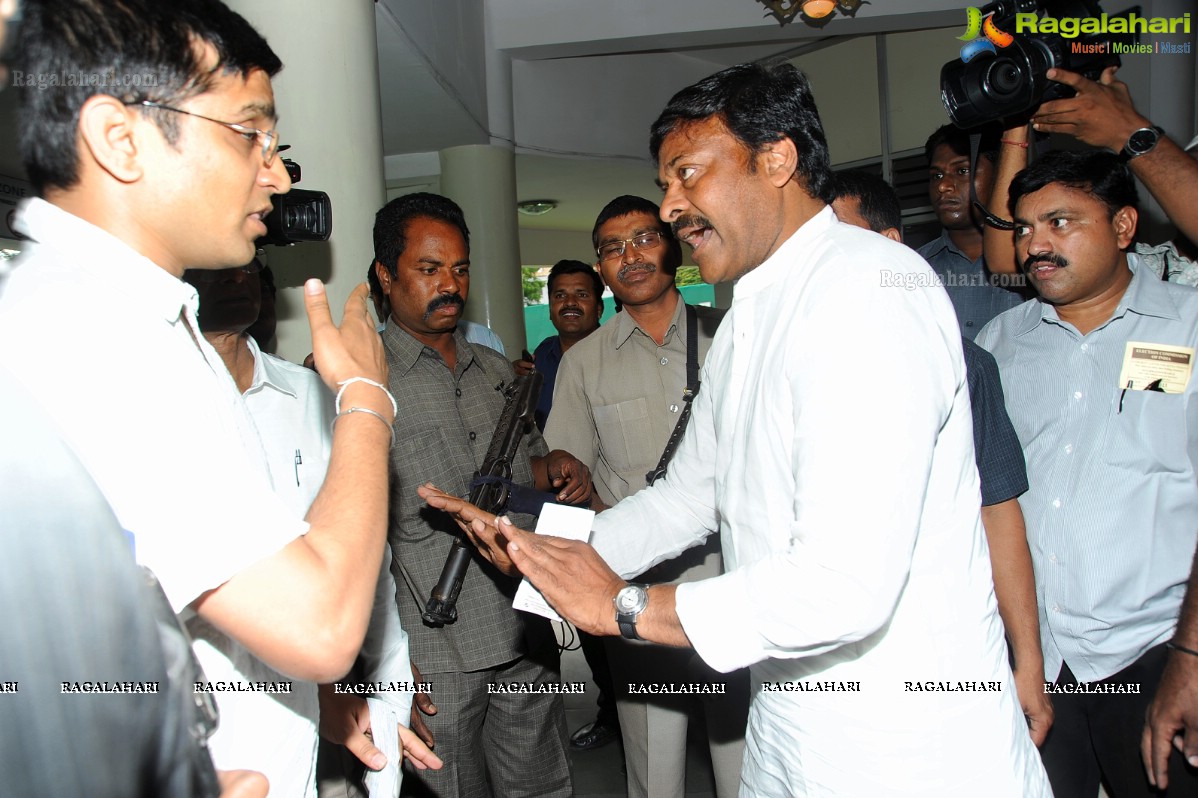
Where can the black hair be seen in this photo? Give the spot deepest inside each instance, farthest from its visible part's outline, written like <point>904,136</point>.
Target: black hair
<point>628,204</point>
<point>878,202</point>
<point>133,50</point>
<point>759,106</point>
<point>372,280</point>
<point>379,297</point>
<point>391,223</point>
<point>1096,172</point>
<point>958,140</point>
<point>564,267</point>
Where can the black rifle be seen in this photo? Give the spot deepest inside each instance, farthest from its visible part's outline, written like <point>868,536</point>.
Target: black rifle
<point>490,496</point>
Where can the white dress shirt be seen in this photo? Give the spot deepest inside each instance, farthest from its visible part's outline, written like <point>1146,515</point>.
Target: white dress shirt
<point>831,446</point>
<point>293,411</point>
<point>107,342</point>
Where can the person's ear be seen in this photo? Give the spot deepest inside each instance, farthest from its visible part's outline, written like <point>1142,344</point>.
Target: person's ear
<point>1124,222</point>
<point>380,271</point>
<point>894,234</point>
<point>779,159</point>
<point>112,136</point>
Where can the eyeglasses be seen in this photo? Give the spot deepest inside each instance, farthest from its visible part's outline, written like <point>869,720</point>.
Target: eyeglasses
<point>615,249</point>
<point>269,138</point>
<point>215,275</point>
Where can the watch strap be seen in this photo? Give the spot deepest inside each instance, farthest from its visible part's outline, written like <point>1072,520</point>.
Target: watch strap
<point>628,630</point>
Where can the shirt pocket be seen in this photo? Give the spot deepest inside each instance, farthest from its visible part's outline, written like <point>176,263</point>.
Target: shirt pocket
<point>423,456</point>
<point>626,436</point>
<point>1146,432</point>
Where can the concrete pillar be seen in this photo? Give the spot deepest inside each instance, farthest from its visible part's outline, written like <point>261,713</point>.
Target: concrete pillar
<point>328,103</point>
<point>482,179</point>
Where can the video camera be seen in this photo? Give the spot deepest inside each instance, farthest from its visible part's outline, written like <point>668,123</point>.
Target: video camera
<point>1012,80</point>
<point>298,215</point>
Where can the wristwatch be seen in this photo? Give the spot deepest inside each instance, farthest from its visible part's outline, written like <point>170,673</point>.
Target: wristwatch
<point>1141,142</point>
<point>630,603</point>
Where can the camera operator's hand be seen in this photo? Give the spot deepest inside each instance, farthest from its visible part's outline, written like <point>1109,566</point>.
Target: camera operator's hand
<point>1101,115</point>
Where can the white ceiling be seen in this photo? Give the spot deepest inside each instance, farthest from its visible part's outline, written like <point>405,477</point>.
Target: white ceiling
<point>589,76</point>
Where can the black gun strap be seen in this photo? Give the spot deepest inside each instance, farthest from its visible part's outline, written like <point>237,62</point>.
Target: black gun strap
<point>692,388</point>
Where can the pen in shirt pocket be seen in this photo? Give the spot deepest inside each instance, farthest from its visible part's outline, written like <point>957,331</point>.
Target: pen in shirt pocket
<point>1155,386</point>
<point>299,461</point>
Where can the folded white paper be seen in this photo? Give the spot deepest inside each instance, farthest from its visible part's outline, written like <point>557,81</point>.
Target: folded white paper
<point>563,521</point>
<point>384,728</point>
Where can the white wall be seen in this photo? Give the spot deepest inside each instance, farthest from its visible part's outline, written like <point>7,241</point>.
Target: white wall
<point>913,62</point>
<point>844,81</point>
<point>547,247</point>
<point>623,95</point>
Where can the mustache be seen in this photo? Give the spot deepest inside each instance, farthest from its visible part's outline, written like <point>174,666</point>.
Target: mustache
<point>442,301</point>
<point>692,220</point>
<point>1047,257</point>
<point>635,267</point>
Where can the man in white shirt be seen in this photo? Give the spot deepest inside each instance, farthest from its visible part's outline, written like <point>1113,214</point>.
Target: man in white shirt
<point>293,413</point>
<point>146,404</point>
<point>831,446</point>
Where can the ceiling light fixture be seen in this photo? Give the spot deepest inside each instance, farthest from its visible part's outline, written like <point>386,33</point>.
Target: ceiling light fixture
<point>818,9</point>
<point>536,207</point>
<point>786,10</point>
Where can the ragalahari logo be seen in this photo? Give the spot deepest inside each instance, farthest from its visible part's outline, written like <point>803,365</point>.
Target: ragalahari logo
<point>993,37</point>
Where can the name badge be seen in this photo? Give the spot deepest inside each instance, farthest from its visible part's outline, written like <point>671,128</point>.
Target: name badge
<point>1156,367</point>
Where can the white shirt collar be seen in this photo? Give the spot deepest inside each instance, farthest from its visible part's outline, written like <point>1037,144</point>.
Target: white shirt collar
<point>125,270</point>
<point>266,372</point>
<point>776,266</point>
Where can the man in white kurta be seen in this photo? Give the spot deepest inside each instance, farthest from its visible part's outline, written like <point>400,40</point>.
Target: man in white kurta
<point>833,453</point>
<point>831,447</point>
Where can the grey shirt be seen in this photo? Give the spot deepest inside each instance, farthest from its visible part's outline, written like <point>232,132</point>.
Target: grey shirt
<point>443,428</point>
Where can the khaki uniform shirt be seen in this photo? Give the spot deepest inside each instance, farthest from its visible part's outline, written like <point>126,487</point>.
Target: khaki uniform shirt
<point>616,401</point>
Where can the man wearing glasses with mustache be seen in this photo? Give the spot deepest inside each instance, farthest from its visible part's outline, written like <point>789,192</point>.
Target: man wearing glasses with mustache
<point>618,396</point>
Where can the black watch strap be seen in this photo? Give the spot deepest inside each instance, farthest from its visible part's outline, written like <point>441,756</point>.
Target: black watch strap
<point>628,630</point>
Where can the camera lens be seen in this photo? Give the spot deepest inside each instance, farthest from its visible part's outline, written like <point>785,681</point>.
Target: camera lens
<point>1003,78</point>
<point>301,217</point>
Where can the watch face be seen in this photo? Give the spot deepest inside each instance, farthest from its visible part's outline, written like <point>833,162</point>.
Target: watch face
<point>630,599</point>
<point>1142,140</point>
